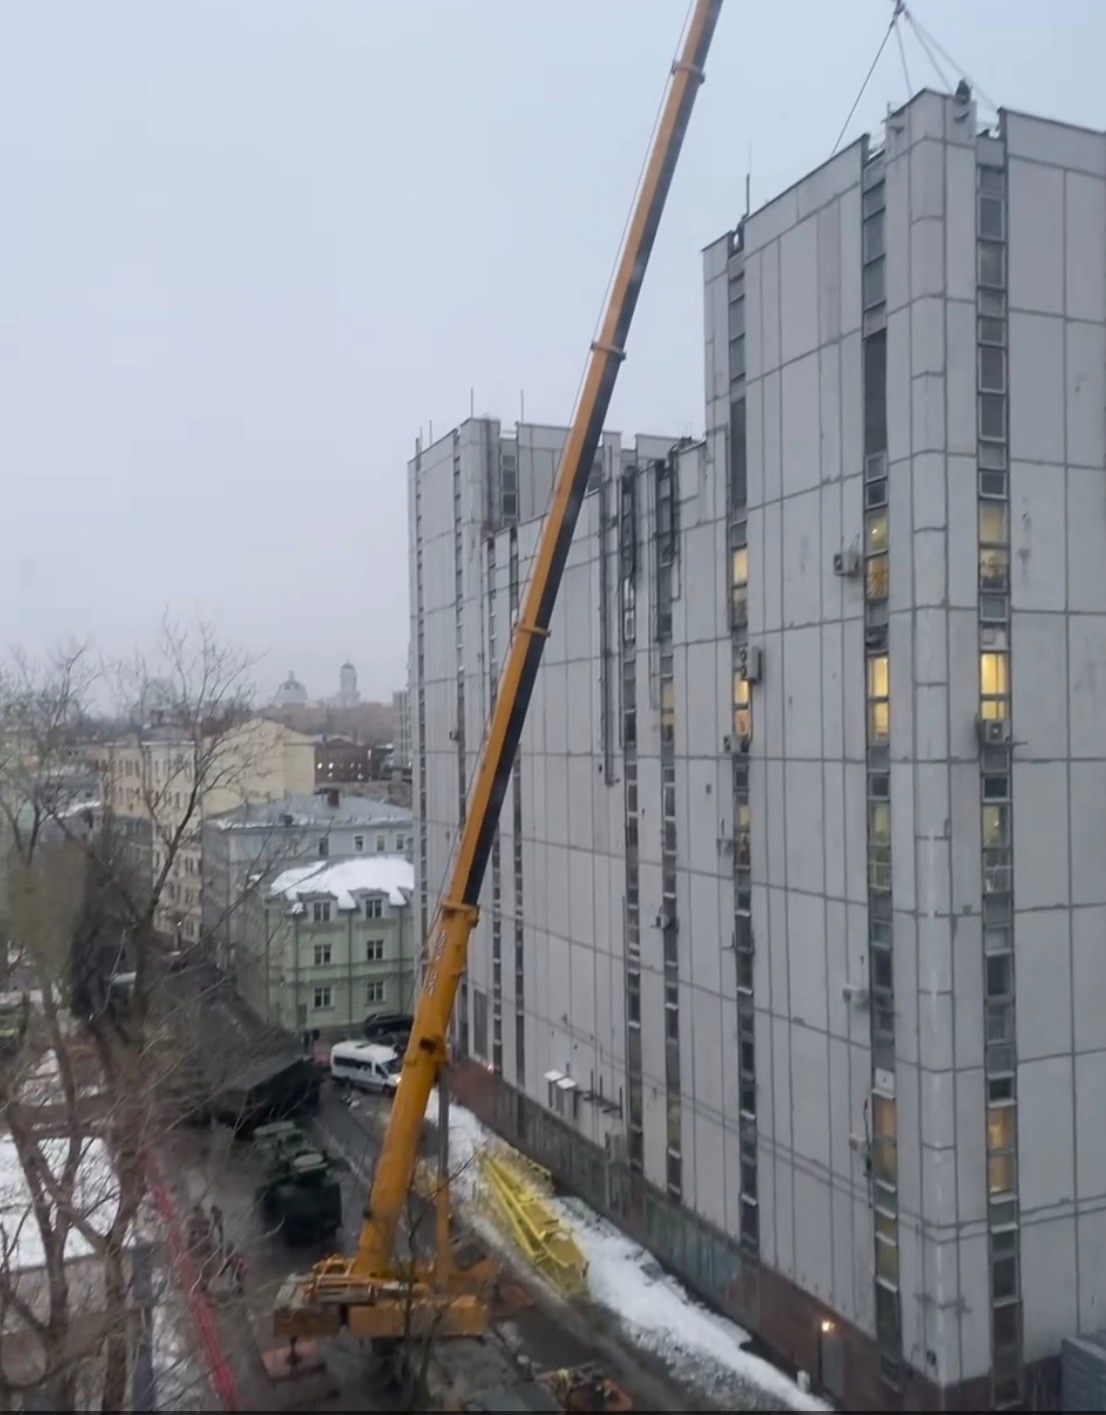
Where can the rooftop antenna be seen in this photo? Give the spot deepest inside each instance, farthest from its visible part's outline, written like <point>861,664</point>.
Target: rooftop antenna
<point>472,402</point>
<point>522,405</point>
<point>430,432</point>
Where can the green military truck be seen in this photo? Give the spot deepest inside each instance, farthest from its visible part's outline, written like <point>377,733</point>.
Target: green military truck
<point>300,1193</point>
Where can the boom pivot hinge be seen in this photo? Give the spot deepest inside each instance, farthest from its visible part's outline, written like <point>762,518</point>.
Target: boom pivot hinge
<point>450,908</point>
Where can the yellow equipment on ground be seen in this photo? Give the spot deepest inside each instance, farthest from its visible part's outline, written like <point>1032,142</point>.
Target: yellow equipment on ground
<point>375,1294</point>
<point>514,1193</point>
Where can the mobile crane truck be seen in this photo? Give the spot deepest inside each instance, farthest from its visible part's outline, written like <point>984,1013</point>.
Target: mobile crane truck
<point>374,1294</point>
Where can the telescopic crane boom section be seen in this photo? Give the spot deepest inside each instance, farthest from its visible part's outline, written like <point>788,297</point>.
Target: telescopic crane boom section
<point>374,1267</point>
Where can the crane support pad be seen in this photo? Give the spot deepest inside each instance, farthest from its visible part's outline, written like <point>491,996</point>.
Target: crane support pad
<point>514,1195</point>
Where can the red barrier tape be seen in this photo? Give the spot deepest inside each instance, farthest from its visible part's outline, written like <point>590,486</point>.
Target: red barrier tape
<point>222,1377</point>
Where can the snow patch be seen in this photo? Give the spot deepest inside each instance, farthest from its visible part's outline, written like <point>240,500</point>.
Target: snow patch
<point>656,1312</point>
<point>661,1317</point>
<point>181,1384</point>
<point>94,1195</point>
<point>346,880</point>
<point>467,1137</point>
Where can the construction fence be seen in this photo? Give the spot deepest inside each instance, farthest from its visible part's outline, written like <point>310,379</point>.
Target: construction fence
<point>707,1259</point>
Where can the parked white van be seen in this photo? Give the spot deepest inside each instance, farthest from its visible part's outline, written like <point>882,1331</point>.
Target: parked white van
<point>367,1066</point>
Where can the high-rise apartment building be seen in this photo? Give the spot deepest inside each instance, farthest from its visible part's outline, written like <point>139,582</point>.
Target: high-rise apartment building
<point>791,957</point>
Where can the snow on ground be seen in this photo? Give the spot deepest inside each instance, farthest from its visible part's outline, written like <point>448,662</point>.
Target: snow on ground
<point>467,1137</point>
<point>656,1312</point>
<point>93,1194</point>
<point>181,1383</point>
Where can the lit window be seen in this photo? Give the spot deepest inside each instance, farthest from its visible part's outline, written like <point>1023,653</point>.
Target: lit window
<point>994,685</point>
<point>875,532</point>
<point>994,567</point>
<point>879,822</point>
<point>876,577</point>
<point>668,710</point>
<point>879,708</point>
<point>740,585</point>
<point>742,709</point>
<point>994,556</point>
<point>993,523</point>
<point>1002,1139</point>
<point>996,826</point>
<point>884,1145</point>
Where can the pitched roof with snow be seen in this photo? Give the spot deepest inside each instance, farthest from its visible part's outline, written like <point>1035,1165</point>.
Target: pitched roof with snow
<point>312,812</point>
<point>346,881</point>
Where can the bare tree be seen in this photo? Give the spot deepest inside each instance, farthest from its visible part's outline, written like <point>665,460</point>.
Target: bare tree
<point>90,889</point>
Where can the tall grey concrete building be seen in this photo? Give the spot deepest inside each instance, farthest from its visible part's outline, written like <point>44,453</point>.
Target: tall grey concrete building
<point>793,952</point>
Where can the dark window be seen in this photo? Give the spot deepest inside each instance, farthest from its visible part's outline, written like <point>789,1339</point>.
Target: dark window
<point>992,264</point>
<point>992,417</point>
<point>873,236</point>
<point>738,459</point>
<point>480,1023</point>
<point>875,394</point>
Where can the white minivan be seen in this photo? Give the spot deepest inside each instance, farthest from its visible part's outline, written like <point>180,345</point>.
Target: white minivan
<point>365,1065</point>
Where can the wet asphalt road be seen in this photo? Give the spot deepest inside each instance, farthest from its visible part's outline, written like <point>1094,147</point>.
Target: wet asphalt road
<point>208,1166</point>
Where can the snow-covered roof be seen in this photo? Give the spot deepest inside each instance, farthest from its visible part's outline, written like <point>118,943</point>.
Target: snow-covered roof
<point>302,812</point>
<point>347,880</point>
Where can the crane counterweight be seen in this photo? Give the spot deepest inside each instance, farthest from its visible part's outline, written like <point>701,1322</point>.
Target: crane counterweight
<point>370,1293</point>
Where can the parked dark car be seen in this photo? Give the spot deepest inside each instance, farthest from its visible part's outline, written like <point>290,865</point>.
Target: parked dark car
<point>391,1029</point>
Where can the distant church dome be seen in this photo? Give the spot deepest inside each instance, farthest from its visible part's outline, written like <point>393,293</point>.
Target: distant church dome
<point>348,696</point>
<point>291,692</point>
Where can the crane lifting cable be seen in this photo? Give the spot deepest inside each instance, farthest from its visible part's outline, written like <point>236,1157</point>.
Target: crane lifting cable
<point>927,41</point>
<point>929,47</point>
<point>374,1294</point>
<point>898,10</point>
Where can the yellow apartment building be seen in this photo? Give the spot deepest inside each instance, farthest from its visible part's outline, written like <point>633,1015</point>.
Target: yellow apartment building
<point>160,785</point>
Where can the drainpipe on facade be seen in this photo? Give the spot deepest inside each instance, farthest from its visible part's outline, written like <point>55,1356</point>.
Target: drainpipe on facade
<point>401,914</point>
<point>296,977</point>
<point>349,971</point>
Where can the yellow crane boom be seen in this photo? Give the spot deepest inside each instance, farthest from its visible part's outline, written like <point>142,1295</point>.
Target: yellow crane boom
<point>373,1269</point>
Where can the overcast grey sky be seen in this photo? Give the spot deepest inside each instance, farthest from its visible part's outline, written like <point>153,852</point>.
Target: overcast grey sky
<point>250,247</point>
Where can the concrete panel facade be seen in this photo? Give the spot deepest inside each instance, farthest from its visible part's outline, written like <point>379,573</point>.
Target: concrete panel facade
<point>807,915</point>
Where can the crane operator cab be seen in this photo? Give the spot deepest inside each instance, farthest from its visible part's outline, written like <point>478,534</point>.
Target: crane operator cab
<point>366,1066</point>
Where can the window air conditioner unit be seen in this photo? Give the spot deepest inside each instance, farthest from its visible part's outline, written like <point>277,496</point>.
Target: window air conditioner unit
<point>994,732</point>
<point>847,562</point>
<point>748,663</point>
